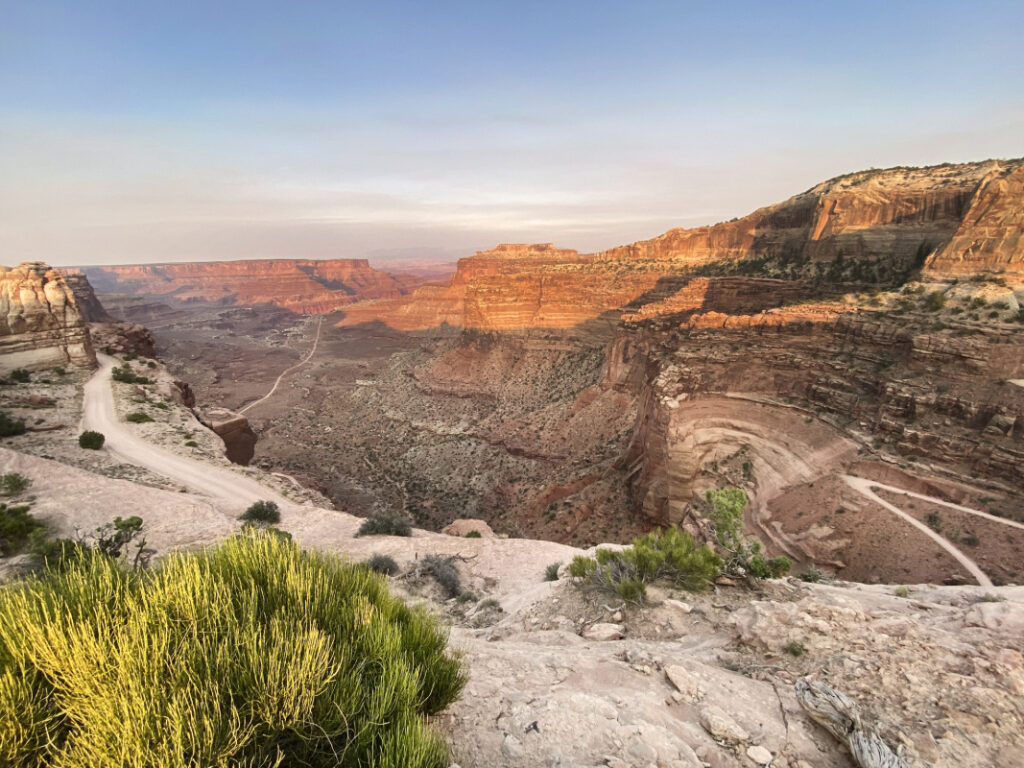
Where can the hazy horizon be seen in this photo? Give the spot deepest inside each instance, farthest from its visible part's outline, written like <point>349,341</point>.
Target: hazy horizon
<point>132,133</point>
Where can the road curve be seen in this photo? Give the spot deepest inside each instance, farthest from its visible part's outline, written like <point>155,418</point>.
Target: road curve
<point>286,371</point>
<point>951,505</point>
<point>864,487</point>
<point>99,414</point>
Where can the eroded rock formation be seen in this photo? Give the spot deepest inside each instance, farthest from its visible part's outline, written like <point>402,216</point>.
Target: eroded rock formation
<point>41,325</point>
<point>233,428</point>
<point>300,285</point>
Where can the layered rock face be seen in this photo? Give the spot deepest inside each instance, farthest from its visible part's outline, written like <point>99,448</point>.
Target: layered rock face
<point>862,228</point>
<point>41,325</point>
<point>990,236</point>
<point>303,286</point>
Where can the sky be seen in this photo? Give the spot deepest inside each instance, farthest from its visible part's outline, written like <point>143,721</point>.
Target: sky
<point>146,131</point>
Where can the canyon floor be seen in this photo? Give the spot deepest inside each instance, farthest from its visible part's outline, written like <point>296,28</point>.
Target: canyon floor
<point>534,433</point>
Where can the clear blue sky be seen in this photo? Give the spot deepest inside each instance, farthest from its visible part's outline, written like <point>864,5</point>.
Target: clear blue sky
<point>144,131</point>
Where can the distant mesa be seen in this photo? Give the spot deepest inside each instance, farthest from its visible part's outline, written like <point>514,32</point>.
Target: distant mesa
<point>299,285</point>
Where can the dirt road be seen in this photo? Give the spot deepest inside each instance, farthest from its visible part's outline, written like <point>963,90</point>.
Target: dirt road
<point>865,487</point>
<point>286,371</point>
<point>99,414</point>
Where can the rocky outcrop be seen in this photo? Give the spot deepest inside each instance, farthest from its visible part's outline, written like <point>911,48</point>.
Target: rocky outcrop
<point>89,306</point>
<point>41,325</point>
<point>123,338</point>
<point>234,429</point>
<point>990,236</point>
<point>299,285</point>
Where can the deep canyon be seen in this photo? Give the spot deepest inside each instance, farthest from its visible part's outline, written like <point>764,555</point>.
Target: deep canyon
<point>867,328</point>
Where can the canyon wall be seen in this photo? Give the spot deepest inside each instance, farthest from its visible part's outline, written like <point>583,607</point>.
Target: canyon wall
<point>856,230</point>
<point>299,285</point>
<point>41,325</point>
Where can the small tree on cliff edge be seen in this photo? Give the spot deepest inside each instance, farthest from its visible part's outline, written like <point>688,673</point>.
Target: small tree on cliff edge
<point>742,557</point>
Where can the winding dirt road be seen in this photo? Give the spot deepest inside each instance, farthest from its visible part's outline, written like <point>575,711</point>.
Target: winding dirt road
<point>99,414</point>
<point>286,371</point>
<point>866,488</point>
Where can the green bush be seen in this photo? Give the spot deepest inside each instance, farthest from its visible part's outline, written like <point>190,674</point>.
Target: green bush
<point>191,444</point>
<point>262,512</point>
<point>671,555</point>
<point>138,417</point>
<point>13,483</point>
<point>126,375</point>
<point>251,654</point>
<point>16,528</point>
<point>742,557</point>
<point>20,375</point>
<point>10,427</point>
<point>551,572</point>
<point>382,564</point>
<point>473,535</point>
<point>385,524</point>
<point>935,301</point>
<point>93,441</point>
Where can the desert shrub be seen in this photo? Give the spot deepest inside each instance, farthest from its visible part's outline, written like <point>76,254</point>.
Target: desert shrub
<point>248,654</point>
<point>795,649</point>
<point>812,574</point>
<point>90,440</point>
<point>138,417</point>
<point>671,555</point>
<point>16,528</point>
<point>382,564</point>
<point>551,572</point>
<point>385,524</point>
<point>56,554</point>
<point>191,444</point>
<point>444,572</point>
<point>126,375</point>
<point>741,557</point>
<point>262,512</point>
<point>935,301</point>
<point>473,535</point>
<point>20,375</point>
<point>12,483</point>
<point>10,427</point>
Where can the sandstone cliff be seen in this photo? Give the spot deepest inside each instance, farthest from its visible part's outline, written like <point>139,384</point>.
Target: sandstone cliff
<point>864,228</point>
<point>41,325</point>
<point>299,285</point>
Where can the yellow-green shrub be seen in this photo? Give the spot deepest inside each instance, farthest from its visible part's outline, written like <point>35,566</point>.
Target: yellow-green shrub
<point>255,653</point>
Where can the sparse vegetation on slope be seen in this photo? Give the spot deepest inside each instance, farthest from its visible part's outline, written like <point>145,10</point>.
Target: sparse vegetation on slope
<point>300,658</point>
<point>385,525</point>
<point>742,557</point>
<point>671,555</point>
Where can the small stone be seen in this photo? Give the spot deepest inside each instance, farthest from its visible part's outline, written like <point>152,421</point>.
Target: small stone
<point>617,616</point>
<point>721,726</point>
<point>679,605</point>
<point>604,631</point>
<point>759,755</point>
<point>684,682</point>
<point>511,747</point>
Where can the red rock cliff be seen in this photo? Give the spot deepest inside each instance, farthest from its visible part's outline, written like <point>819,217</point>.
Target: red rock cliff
<point>872,226</point>
<point>306,286</point>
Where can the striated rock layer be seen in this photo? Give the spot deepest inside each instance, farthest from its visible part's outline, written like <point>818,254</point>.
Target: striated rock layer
<point>862,228</point>
<point>41,325</point>
<point>300,285</point>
